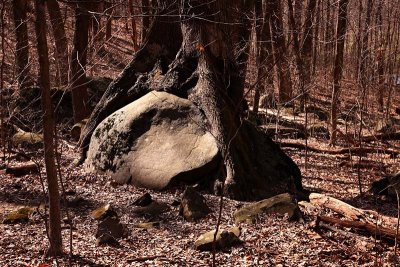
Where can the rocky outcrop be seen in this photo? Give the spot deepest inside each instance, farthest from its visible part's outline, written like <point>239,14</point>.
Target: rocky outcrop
<point>152,142</point>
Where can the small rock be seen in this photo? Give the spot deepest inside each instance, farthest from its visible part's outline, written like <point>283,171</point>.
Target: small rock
<point>193,205</point>
<point>225,239</point>
<point>29,138</point>
<point>147,225</point>
<point>19,216</point>
<point>107,239</point>
<point>103,212</point>
<point>75,202</point>
<point>281,204</point>
<point>153,209</point>
<point>109,230</point>
<point>143,200</point>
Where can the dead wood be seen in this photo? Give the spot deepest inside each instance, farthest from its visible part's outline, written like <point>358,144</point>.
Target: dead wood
<point>382,136</point>
<point>373,229</point>
<point>350,211</point>
<point>349,150</point>
<point>336,205</point>
<point>20,170</point>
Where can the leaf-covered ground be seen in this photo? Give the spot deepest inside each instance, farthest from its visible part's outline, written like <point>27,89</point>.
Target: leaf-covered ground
<point>271,241</point>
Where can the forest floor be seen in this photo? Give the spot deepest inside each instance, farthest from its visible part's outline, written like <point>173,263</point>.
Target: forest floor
<point>272,240</point>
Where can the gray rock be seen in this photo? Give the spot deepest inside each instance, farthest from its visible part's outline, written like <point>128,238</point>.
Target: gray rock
<point>282,204</point>
<point>193,205</point>
<point>224,239</point>
<point>158,139</point>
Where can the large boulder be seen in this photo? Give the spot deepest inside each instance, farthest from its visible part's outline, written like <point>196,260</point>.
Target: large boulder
<point>158,139</point>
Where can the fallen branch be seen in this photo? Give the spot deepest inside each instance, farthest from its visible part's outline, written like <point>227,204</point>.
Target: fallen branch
<point>337,205</point>
<point>350,211</point>
<point>145,258</point>
<point>350,150</point>
<point>20,170</point>
<point>372,229</point>
<point>382,136</point>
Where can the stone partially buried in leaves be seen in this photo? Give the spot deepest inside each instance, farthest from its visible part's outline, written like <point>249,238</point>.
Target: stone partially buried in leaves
<point>154,141</point>
<point>282,204</point>
<point>109,230</point>
<point>225,239</point>
<point>193,205</point>
<point>153,209</point>
<point>103,212</point>
<point>19,216</point>
<point>143,200</point>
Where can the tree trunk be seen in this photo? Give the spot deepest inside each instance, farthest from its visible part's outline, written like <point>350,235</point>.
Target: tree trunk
<point>264,57</point>
<point>280,52</point>
<point>145,19</point>
<point>208,69</point>
<point>78,64</point>
<point>306,49</point>
<point>133,25</point>
<point>57,25</point>
<point>22,44</point>
<point>338,66</point>
<point>48,131</point>
<point>109,11</point>
<point>297,52</point>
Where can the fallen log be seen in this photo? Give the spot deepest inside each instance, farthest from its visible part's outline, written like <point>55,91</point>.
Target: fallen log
<point>382,136</point>
<point>372,229</point>
<point>336,205</point>
<point>349,150</point>
<point>20,170</point>
<point>350,211</point>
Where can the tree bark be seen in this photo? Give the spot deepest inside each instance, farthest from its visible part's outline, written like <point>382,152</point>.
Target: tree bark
<point>48,131</point>
<point>264,55</point>
<point>22,45</point>
<point>338,67</point>
<point>306,49</point>
<point>133,25</point>
<point>280,52</point>
<point>209,70</point>
<point>78,64</point>
<point>57,25</point>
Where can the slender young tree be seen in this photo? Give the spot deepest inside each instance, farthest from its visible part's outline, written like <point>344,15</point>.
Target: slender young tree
<point>22,45</point>
<point>60,38</point>
<point>338,67</point>
<point>48,131</point>
<point>78,62</point>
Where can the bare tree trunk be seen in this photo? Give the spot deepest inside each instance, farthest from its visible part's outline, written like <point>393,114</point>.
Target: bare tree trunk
<point>109,11</point>
<point>338,66</point>
<point>133,25</point>
<point>280,52</point>
<point>146,18</point>
<point>306,49</point>
<point>22,44</point>
<point>57,25</point>
<point>297,51</point>
<point>264,60</point>
<point>208,70</point>
<point>48,131</point>
<point>78,64</point>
